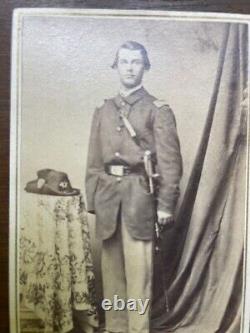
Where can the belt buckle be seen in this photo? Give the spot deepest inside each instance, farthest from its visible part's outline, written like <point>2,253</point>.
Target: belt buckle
<point>117,170</point>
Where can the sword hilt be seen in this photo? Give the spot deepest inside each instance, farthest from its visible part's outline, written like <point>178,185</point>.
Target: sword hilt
<point>149,170</point>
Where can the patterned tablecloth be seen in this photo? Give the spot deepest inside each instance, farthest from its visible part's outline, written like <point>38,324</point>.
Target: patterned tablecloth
<point>55,266</point>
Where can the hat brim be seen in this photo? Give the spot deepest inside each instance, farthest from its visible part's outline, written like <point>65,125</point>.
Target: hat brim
<point>32,187</point>
<point>48,190</point>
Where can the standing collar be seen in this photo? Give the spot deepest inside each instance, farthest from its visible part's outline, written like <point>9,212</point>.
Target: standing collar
<point>132,98</point>
<point>126,93</point>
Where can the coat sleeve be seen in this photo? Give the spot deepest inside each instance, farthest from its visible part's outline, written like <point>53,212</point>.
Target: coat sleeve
<point>95,165</point>
<point>169,160</point>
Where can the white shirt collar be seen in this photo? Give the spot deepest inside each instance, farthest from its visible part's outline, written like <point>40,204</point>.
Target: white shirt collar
<point>127,92</point>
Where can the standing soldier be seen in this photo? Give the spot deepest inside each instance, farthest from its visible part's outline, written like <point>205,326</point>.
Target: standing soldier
<point>125,130</point>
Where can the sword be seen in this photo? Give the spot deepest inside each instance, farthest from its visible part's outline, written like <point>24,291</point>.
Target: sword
<point>148,164</point>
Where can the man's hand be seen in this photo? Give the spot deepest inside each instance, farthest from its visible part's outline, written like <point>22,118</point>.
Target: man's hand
<point>164,218</point>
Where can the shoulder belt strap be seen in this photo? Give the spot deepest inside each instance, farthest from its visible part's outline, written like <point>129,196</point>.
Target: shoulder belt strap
<point>131,131</point>
<point>128,126</point>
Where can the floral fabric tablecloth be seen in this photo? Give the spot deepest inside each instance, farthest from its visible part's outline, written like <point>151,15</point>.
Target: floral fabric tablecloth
<point>55,264</point>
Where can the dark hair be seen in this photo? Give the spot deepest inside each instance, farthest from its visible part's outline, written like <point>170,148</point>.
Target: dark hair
<point>131,45</point>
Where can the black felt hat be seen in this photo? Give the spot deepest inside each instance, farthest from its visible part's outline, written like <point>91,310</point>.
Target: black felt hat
<point>51,182</point>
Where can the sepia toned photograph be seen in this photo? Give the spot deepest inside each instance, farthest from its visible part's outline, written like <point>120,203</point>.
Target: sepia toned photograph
<point>129,172</point>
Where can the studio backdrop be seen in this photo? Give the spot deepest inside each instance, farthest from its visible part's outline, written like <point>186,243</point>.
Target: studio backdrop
<point>204,254</point>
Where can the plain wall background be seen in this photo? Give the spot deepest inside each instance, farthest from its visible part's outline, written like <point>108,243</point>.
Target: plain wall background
<point>66,73</point>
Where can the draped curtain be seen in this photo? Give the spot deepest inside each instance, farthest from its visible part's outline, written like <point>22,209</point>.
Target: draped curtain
<point>203,255</point>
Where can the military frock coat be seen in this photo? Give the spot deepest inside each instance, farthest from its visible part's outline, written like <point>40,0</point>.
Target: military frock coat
<point>111,143</point>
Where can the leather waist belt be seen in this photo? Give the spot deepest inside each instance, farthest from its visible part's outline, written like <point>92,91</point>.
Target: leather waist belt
<point>123,170</point>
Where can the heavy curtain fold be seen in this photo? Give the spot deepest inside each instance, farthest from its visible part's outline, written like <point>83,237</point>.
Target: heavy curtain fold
<point>203,256</point>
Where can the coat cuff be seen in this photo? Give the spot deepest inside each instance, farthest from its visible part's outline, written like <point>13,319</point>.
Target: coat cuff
<point>165,207</point>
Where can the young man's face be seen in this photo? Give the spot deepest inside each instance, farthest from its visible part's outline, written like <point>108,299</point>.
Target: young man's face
<point>130,67</point>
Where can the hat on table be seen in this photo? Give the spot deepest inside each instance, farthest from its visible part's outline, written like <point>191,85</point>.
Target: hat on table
<point>51,182</point>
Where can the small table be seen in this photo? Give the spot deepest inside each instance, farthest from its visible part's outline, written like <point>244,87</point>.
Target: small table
<point>55,263</point>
